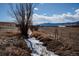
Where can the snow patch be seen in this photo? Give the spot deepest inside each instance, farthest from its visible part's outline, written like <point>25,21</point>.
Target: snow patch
<point>37,48</point>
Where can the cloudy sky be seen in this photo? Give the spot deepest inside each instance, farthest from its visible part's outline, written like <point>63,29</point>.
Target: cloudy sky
<point>47,13</point>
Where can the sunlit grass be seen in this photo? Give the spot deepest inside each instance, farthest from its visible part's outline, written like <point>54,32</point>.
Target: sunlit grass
<point>7,27</point>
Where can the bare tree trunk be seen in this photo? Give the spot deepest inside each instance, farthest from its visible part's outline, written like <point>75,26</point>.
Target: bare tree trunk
<point>23,14</point>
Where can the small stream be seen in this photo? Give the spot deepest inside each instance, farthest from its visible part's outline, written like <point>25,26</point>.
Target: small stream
<point>37,47</point>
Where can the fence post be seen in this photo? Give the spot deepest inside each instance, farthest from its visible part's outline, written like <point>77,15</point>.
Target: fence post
<point>56,34</point>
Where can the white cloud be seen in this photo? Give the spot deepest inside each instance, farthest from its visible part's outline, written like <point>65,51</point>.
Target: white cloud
<point>35,8</point>
<point>44,19</point>
<point>37,23</point>
<point>77,10</point>
<point>44,14</point>
<point>56,18</point>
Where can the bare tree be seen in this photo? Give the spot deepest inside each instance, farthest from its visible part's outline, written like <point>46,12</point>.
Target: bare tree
<point>23,14</point>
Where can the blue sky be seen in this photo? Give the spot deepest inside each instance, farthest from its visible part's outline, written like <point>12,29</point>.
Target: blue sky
<point>4,15</point>
<point>56,8</point>
<point>47,13</point>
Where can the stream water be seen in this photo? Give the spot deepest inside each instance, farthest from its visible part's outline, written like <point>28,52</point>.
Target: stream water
<point>37,47</point>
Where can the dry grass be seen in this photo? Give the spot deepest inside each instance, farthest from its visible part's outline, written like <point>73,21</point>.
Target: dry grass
<point>12,45</point>
<point>61,40</point>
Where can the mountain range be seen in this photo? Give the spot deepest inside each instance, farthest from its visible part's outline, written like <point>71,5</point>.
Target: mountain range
<point>60,24</point>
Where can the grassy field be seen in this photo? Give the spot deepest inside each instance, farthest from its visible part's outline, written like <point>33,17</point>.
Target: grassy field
<point>11,44</point>
<point>61,40</point>
<point>7,27</point>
